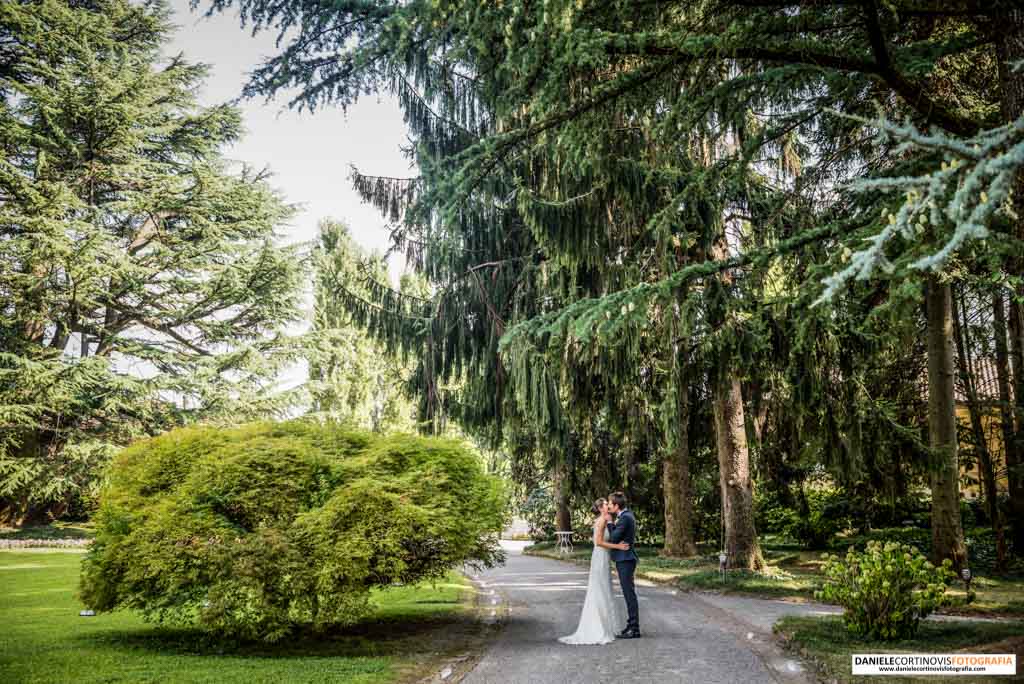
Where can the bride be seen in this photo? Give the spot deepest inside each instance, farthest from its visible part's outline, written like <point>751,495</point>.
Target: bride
<point>599,617</point>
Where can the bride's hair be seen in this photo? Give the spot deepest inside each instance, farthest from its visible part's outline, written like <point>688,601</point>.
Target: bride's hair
<point>598,507</point>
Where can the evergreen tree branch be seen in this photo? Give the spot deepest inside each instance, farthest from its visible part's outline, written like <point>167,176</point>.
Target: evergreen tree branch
<point>710,47</point>
<point>937,8</point>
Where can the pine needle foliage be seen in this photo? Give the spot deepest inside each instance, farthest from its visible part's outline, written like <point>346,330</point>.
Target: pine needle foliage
<point>352,377</point>
<point>694,172</point>
<point>142,277</point>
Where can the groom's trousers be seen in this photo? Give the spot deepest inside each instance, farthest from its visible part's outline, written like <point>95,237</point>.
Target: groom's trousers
<point>626,570</point>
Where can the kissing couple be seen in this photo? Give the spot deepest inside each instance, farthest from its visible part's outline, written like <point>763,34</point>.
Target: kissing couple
<point>614,539</point>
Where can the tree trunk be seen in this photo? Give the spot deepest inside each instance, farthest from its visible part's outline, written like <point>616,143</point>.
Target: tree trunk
<point>679,541</point>
<point>1017,442</point>
<point>947,532</point>
<point>563,515</point>
<point>676,484</point>
<point>734,476</point>
<point>602,475</point>
<point>985,465</point>
<point>1009,35</point>
<point>1011,450</point>
<point>774,469</point>
<point>21,512</point>
<point>759,407</point>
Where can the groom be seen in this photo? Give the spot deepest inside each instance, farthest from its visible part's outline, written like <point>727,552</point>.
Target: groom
<point>624,530</point>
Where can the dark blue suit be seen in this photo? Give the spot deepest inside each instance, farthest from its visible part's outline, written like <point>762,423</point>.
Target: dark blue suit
<point>624,530</point>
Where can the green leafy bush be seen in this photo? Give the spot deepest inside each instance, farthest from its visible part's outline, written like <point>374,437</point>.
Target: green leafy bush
<point>828,515</point>
<point>255,531</point>
<point>886,589</point>
<point>772,515</point>
<point>539,513</point>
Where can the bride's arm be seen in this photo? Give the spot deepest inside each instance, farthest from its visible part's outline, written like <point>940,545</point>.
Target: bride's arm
<point>599,536</point>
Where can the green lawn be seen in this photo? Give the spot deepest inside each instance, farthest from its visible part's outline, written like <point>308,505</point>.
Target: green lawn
<point>792,574</point>
<point>830,645</point>
<point>44,640</point>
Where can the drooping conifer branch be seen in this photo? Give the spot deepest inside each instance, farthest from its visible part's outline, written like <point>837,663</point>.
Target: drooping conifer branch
<point>970,187</point>
<point>600,319</point>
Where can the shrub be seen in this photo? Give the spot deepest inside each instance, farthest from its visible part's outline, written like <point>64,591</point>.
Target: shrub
<point>772,516</point>
<point>255,531</point>
<point>886,589</point>
<point>912,536</point>
<point>982,554</point>
<point>902,511</point>
<point>539,513</point>
<point>828,515</point>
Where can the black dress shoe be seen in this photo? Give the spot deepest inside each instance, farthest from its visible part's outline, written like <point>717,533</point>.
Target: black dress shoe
<point>628,634</point>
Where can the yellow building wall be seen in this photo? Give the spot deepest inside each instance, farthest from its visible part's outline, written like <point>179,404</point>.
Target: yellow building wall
<point>992,427</point>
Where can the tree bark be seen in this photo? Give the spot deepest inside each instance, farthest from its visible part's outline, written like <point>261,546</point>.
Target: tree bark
<point>737,487</point>
<point>678,494</point>
<point>1015,450</point>
<point>563,514</point>
<point>21,512</point>
<point>734,474</point>
<point>1011,453</point>
<point>759,407</point>
<point>1009,35</point>
<point>603,473</point>
<point>947,532</point>
<point>985,465</point>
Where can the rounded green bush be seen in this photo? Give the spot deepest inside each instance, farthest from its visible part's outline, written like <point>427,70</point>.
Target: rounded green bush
<point>886,590</point>
<point>255,531</point>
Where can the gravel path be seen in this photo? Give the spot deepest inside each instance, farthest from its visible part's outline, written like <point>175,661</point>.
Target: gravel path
<point>686,638</point>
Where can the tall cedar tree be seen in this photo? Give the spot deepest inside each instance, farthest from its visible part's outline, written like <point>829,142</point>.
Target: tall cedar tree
<point>141,279</point>
<point>352,377</point>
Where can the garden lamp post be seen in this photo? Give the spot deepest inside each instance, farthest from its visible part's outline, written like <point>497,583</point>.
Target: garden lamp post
<point>723,563</point>
<point>965,574</point>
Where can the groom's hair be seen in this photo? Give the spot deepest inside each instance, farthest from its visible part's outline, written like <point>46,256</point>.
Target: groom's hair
<point>618,498</point>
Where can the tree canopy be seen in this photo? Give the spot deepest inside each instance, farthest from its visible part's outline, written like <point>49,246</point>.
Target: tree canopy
<point>770,206</point>
<point>142,275</point>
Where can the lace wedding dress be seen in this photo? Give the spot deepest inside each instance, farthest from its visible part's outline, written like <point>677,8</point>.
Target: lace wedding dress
<point>600,617</point>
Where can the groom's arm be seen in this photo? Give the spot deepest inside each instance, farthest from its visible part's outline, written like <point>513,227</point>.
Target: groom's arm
<point>621,530</point>
<point>617,531</point>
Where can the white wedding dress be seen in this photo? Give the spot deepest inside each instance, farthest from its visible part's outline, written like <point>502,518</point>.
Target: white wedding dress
<point>600,616</point>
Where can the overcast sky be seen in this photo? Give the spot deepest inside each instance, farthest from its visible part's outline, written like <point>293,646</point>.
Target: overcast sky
<point>309,154</point>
